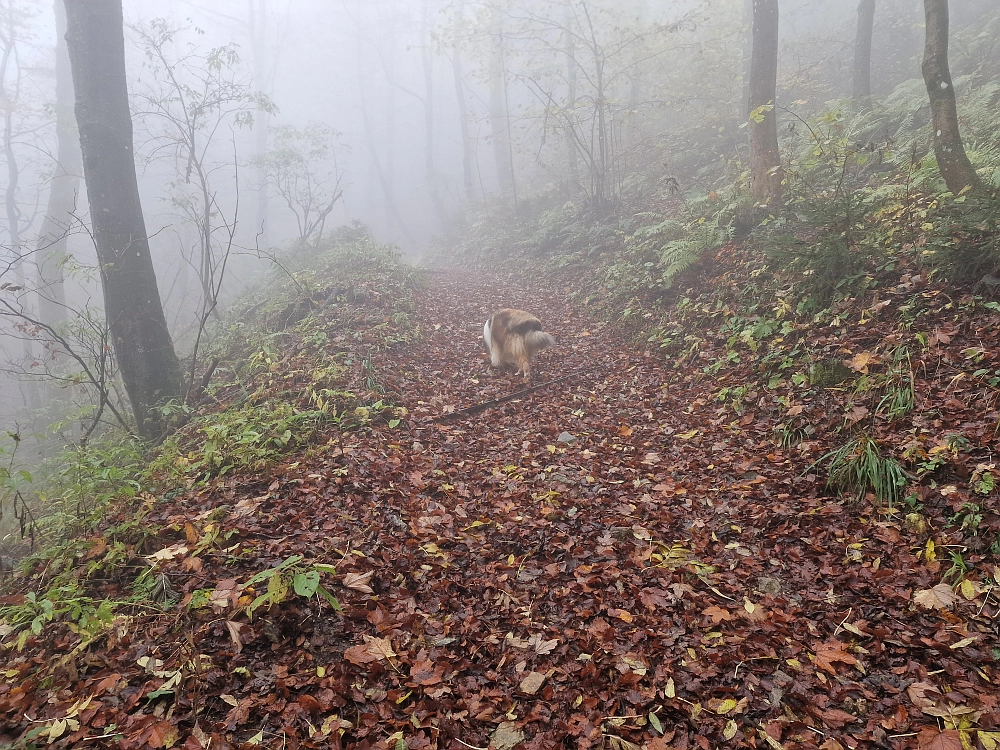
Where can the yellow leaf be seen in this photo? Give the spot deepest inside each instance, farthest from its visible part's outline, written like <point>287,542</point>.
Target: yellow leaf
<point>748,606</point>
<point>964,642</point>
<point>929,554</point>
<point>550,448</point>
<point>669,691</point>
<point>687,435</point>
<point>730,731</point>
<point>725,706</point>
<point>56,728</point>
<point>969,589</point>
<point>321,671</point>
<point>989,740</point>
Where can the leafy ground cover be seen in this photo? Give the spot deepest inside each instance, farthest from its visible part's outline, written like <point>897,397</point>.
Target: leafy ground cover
<point>646,553</point>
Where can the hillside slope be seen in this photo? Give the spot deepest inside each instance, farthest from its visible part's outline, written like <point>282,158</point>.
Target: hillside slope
<point>625,558</point>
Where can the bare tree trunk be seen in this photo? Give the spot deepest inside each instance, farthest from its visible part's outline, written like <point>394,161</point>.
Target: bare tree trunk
<point>463,107</point>
<point>956,169</point>
<point>765,159</point>
<point>569,47</point>
<point>747,40</point>
<point>499,124</point>
<point>256,26</point>
<point>861,91</point>
<point>145,353</point>
<point>10,98</point>
<point>428,102</point>
<point>52,239</point>
<point>385,176</point>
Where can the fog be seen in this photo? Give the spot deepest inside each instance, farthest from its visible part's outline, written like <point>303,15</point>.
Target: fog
<point>410,117</point>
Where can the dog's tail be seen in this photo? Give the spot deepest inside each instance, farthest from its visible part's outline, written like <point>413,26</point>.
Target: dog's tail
<point>535,341</point>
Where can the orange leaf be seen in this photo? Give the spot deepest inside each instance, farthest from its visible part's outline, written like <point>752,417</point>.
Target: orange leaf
<point>718,614</point>
<point>830,652</point>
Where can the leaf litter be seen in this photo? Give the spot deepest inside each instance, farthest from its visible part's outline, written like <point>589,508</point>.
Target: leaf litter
<point>612,561</point>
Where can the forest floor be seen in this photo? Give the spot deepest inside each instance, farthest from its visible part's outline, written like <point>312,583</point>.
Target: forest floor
<point>613,560</point>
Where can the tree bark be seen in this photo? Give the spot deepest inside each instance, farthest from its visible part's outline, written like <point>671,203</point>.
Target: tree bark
<point>569,56</point>
<point>257,30</point>
<point>428,102</point>
<point>861,91</point>
<point>956,169</point>
<point>52,239</point>
<point>463,108</point>
<point>499,125</point>
<point>145,353</point>
<point>765,159</point>
<point>747,44</point>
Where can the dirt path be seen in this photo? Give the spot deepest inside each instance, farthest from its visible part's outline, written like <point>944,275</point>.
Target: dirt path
<point>667,578</point>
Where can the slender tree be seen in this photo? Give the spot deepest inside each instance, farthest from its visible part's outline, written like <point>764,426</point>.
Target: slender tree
<point>146,358</point>
<point>460,99</point>
<point>569,58</point>
<point>746,38</point>
<point>499,116</point>
<point>861,91</point>
<point>765,159</point>
<point>52,239</point>
<point>956,169</point>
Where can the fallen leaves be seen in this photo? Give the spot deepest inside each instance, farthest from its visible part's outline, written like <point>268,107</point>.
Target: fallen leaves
<point>610,561</point>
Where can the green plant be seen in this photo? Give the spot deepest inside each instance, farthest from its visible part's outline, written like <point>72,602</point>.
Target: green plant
<point>85,614</point>
<point>859,466</point>
<point>293,575</point>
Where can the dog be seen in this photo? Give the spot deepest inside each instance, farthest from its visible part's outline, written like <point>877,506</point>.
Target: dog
<point>512,337</point>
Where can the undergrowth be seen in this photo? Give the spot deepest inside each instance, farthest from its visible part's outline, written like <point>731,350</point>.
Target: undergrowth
<point>291,371</point>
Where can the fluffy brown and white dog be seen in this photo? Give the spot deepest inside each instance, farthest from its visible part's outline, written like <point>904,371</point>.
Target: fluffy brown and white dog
<point>512,337</point>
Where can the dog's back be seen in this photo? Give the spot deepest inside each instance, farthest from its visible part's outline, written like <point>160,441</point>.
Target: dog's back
<point>513,337</point>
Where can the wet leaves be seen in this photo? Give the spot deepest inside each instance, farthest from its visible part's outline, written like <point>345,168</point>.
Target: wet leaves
<point>606,562</point>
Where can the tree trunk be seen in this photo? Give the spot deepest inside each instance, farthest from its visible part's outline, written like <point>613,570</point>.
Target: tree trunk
<point>747,43</point>
<point>428,102</point>
<point>257,29</point>
<point>52,239</point>
<point>499,125</point>
<point>765,159</point>
<point>569,54</point>
<point>463,108</point>
<point>142,344</point>
<point>956,169</point>
<point>861,91</point>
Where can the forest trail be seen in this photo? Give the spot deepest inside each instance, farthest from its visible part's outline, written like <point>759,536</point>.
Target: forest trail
<point>666,578</point>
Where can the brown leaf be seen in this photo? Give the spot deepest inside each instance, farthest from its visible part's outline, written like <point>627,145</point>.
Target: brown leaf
<point>935,739</point>
<point>835,718</point>
<point>917,694</point>
<point>425,672</point>
<point>359,582</point>
<point>234,633</point>
<point>360,654</point>
<point>718,614</point>
<point>831,652</point>
<point>939,597</point>
<point>532,682</point>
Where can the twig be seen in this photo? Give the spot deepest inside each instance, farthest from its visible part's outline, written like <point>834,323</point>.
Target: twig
<point>470,410</point>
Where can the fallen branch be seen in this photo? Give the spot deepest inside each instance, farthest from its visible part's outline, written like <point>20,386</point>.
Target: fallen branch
<point>470,410</point>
